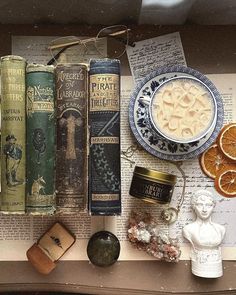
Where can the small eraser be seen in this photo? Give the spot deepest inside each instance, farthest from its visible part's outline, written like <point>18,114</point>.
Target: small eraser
<point>50,247</point>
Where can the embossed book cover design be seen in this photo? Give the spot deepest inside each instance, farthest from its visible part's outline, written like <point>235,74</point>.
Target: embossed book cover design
<point>71,156</point>
<point>40,139</point>
<point>104,121</point>
<point>13,134</point>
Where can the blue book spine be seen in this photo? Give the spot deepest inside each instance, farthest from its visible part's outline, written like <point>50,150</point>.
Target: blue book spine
<point>104,123</point>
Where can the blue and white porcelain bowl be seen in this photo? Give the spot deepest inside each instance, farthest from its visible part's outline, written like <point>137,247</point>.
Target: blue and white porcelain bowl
<point>139,120</point>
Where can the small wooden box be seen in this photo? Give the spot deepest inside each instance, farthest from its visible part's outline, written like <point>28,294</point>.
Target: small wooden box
<point>50,247</point>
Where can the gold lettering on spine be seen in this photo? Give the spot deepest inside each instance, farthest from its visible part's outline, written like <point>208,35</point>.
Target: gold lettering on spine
<point>14,72</point>
<point>70,80</point>
<point>61,76</point>
<point>11,84</point>
<point>105,197</point>
<point>104,92</point>
<point>35,102</point>
<point>105,139</point>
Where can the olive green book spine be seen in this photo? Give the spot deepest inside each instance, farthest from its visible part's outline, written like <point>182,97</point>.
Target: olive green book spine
<point>71,156</point>
<point>40,96</point>
<point>13,170</point>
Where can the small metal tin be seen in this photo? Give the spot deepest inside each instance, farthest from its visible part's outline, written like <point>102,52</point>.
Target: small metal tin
<point>152,186</point>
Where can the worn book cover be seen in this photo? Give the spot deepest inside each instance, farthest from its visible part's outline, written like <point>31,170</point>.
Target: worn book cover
<point>104,123</point>
<point>71,156</point>
<point>13,134</point>
<point>40,94</point>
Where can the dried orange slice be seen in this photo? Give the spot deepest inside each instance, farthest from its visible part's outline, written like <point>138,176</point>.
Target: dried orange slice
<point>227,141</point>
<point>225,182</point>
<point>213,160</point>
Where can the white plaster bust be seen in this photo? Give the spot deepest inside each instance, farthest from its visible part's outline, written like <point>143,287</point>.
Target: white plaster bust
<point>205,237</point>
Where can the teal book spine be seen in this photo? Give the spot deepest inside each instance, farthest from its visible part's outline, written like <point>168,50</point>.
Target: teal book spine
<point>40,94</point>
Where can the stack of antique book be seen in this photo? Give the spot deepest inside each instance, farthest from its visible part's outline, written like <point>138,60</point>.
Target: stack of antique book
<point>60,143</point>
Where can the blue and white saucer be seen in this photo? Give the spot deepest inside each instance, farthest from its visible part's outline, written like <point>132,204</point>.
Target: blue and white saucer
<point>147,138</point>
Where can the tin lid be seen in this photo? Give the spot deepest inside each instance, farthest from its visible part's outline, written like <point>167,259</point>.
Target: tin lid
<point>33,67</point>
<point>155,174</point>
<point>12,57</point>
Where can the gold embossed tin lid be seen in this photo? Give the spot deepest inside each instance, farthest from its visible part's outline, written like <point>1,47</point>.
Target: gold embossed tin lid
<point>13,57</point>
<point>33,67</point>
<point>155,174</point>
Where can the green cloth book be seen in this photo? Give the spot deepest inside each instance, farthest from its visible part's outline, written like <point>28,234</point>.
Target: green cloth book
<point>40,96</point>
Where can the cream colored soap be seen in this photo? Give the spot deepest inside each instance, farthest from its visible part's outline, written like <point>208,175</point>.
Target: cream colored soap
<point>182,109</point>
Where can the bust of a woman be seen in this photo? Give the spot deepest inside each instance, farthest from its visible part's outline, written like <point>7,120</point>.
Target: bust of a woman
<point>205,237</point>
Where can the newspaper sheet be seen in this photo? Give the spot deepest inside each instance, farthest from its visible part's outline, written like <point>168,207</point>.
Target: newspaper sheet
<point>18,233</point>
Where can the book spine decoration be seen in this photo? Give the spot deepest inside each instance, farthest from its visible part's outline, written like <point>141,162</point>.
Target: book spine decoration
<point>71,156</point>
<point>104,121</point>
<point>40,94</point>
<point>13,134</point>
